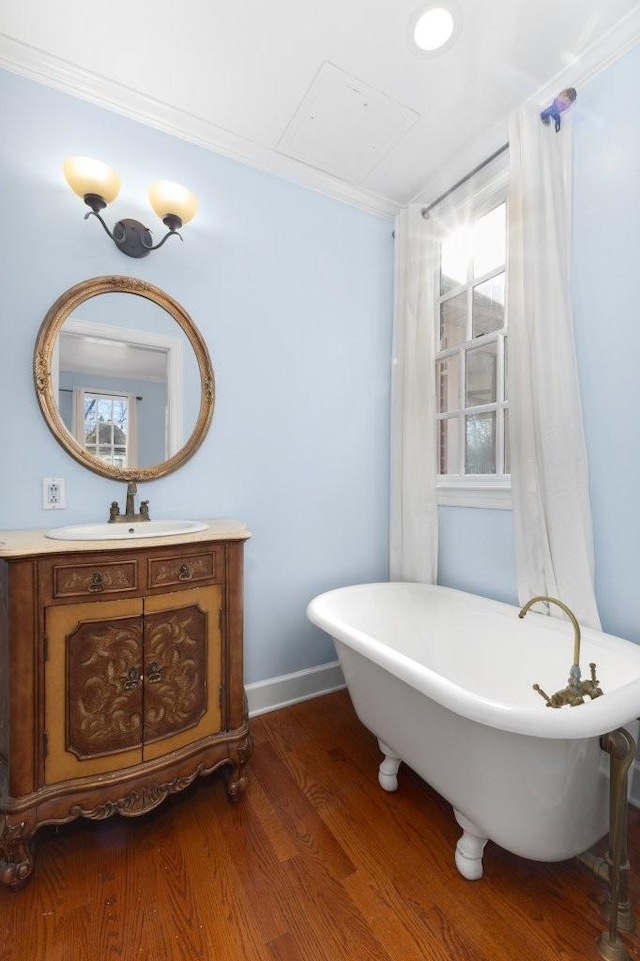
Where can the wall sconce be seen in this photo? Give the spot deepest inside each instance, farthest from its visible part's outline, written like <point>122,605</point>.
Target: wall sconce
<point>99,184</point>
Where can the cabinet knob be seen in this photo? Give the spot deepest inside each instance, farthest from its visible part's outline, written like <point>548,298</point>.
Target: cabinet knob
<point>154,673</point>
<point>132,678</point>
<point>184,574</point>
<point>96,585</point>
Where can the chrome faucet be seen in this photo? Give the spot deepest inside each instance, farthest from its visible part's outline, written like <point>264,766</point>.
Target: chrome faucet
<point>115,517</point>
<point>573,693</point>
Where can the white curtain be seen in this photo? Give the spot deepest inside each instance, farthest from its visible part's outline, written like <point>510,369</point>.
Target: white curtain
<point>413,510</point>
<point>132,431</point>
<point>551,512</point>
<point>77,415</point>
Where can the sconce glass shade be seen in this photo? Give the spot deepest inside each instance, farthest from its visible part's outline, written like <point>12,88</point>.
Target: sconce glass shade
<point>87,176</point>
<point>169,199</point>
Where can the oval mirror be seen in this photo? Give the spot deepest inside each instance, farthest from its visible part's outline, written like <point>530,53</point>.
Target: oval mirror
<point>124,378</point>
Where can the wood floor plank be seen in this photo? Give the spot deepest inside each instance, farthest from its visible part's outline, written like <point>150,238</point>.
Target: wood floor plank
<point>398,925</point>
<point>246,844</point>
<point>302,896</point>
<point>284,949</point>
<point>267,815</point>
<point>303,822</point>
<point>281,728</point>
<point>228,919</point>
<point>335,918</point>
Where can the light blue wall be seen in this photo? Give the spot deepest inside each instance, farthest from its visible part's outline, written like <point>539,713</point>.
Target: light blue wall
<point>606,268</point>
<point>476,552</point>
<point>476,547</point>
<point>292,292</point>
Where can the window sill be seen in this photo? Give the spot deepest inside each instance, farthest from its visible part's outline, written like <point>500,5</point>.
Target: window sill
<point>484,494</point>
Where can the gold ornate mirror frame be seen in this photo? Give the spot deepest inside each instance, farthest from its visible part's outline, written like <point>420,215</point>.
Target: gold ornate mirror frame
<point>45,345</point>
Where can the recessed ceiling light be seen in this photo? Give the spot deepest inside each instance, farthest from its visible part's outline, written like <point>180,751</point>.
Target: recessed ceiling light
<point>434,29</point>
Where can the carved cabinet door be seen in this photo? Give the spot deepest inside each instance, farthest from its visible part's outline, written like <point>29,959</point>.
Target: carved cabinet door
<point>130,680</point>
<point>93,688</point>
<point>182,668</point>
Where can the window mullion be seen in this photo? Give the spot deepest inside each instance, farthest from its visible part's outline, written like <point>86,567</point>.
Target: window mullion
<point>490,274</point>
<point>462,364</point>
<point>499,408</point>
<point>480,409</point>
<point>463,379</point>
<point>450,294</point>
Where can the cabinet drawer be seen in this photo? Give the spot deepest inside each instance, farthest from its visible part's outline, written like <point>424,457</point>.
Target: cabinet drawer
<point>101,577</point>
<point>183,569</point>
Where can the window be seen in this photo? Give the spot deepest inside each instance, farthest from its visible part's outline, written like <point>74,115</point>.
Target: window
<point>104,426</point>
<point>472,407</point>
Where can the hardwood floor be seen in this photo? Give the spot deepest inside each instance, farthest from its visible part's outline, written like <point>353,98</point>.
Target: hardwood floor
<point>315,863</point>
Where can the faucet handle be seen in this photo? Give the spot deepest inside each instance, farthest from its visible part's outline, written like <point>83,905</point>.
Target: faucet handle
<point>537,688</point>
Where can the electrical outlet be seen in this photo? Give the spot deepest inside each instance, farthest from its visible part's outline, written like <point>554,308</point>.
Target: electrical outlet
<point>53,494</point>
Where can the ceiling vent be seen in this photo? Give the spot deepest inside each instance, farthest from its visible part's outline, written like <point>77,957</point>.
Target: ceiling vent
<point>344,127</point>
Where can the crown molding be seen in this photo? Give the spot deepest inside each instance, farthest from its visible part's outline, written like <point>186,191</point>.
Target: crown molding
<point>36,64</point>
<point>600,55</point>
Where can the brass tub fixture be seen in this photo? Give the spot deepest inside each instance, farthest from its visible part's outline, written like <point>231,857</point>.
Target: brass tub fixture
<point>576,689</point>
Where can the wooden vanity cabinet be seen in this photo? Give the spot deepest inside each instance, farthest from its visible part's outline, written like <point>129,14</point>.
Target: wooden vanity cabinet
<point>120,681</point>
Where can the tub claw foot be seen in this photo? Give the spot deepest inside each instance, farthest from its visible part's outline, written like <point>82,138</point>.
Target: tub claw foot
<point>469,849</point>
<point>387,773</point>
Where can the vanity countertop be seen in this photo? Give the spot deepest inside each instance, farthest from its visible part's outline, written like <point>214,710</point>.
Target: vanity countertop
<point>27,543</point>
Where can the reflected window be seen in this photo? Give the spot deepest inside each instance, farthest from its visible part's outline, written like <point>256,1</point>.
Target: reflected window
<point>105,424</point>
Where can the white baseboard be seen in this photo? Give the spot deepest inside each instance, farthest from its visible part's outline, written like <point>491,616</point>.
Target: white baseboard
<point>277,692</point>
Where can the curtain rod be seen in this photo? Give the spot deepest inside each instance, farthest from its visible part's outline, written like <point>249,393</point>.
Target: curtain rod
<point>561,103</point>
<point>69,390</point>
<point>472,173</point>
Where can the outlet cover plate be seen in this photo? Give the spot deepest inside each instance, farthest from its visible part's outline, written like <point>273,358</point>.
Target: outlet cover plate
<point>53,494</point>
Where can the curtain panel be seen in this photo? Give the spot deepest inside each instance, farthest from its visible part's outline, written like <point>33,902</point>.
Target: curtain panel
<point>549,474</point>
<point>413,510</point>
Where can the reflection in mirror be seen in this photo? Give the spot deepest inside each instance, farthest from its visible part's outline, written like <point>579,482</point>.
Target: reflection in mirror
<point>125,376</point>
<point>99,385</point>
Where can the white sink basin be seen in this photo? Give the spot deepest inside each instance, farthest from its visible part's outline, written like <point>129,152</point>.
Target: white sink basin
<point>123,531</point>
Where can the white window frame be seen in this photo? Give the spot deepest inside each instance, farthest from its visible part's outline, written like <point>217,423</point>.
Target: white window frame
<point>491,491</point>
<point>79,429</point>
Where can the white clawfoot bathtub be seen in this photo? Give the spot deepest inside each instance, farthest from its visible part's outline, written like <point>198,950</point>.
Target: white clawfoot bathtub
<point>444,680</point>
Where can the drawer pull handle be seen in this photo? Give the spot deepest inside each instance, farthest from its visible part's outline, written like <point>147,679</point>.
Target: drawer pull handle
<point>154,673</point>
<point>132,678</point>
<point>96,585</point>
<point>184,574</point>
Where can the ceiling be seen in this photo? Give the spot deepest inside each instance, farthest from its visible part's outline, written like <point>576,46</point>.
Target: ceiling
<point>327,94</point>
<point>84,354</point>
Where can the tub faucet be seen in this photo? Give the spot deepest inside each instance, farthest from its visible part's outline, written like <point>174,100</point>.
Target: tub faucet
<point>115,517</point>
<point>573,694</point>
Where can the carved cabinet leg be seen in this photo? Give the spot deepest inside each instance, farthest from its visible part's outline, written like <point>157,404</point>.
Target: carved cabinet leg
<point>237,779</point>
<point>16,858</point>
